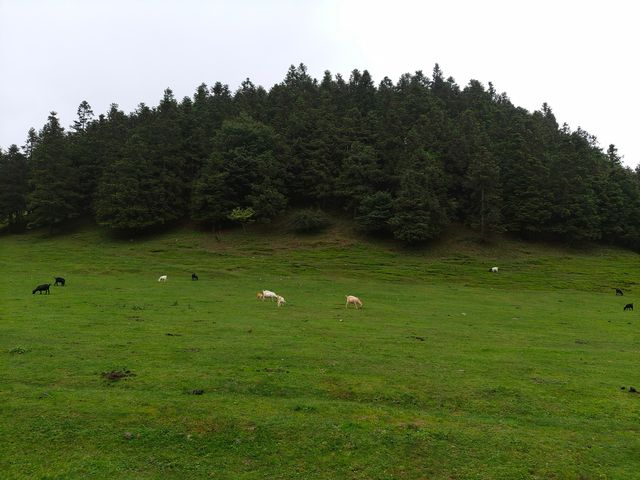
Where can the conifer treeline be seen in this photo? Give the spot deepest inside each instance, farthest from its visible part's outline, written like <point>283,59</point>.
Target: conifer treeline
<point>403,159</point>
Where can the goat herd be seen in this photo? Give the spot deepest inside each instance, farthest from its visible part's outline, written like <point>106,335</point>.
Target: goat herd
<point>262,295</point>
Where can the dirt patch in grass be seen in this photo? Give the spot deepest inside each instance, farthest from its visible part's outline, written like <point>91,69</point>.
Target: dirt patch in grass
<point>273,370</point>
<point>115,375</point>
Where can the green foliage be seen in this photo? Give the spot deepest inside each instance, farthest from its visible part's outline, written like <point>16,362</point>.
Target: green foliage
<point>485,198</point>
<point>18,351</point>
<point>54,196</point>
<point>243,170</point>
<point>359,176</point>
<point>375,212</point>
<point>136,193</point>
<point>309,221</point>
<point>421,206</point>
<point>14,187</point>
<point>334,144</point>
<point>242,215</point>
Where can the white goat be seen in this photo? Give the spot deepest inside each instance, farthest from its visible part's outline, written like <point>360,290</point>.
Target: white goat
<point>281,301</point>
<point>493,269</point>
<point>269,294</point>
<point>163,278</point>
<point>355,300</point>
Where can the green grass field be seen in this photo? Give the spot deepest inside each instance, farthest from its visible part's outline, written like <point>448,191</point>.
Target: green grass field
<point>449,371</point>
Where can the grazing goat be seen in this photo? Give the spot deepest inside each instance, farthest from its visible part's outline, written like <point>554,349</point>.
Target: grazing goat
<point>619,292</point>
<point>42,288</point>
<point>269,294</point>
<point>355,300</point>
<point>281,301</point>
<point>59,280</point>
<point>628,306</point>
<point>493,269</point>
<point>194,276</point>
<point>163,278</point>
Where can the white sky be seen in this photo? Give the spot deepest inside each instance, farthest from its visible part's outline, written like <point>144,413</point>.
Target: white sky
<point>578,56</point>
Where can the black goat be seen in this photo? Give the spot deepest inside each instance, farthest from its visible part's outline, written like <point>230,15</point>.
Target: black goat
<point>42,288</point>
<point>194,276</point>
<point>59,280</point>
<point>628,306</point>
<point>619,292</point>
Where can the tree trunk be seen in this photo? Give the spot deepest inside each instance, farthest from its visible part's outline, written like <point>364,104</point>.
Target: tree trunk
<point>482,213</point>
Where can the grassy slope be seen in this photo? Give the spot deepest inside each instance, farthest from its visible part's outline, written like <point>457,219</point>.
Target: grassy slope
<point>448,372</point>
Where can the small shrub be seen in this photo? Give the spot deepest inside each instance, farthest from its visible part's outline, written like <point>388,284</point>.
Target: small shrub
<point>305,408</point>
<point>309,221</point>
<point>18,350</point>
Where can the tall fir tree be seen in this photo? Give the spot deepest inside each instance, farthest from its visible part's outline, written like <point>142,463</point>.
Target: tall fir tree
<point>421,207</point>
<point>135,193</point>
<point>54,198</point>
<point>243,171</point>
<point>13,188</point>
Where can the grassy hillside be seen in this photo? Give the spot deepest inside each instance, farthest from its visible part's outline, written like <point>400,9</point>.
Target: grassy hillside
<point>449,371</point>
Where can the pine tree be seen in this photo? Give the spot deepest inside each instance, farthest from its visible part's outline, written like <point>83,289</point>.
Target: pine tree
<point>54,198</point>
<point>483,185</point>
<point>135,193</point>
<point>375,212</point>
<point>13,187</point>
<point>243,171</point>
<point>359,176</point>
<point>84,157</point>
<point>421,206</point>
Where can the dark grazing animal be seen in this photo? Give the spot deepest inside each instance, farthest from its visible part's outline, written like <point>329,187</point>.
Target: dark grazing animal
<point>619,292</point>
<point>59,280</point>
<point>42,288</point>
<point>628,306</point>
<point>194,276</point>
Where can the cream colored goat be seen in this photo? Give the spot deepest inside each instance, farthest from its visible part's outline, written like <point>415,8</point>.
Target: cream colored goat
<point>355,300</point>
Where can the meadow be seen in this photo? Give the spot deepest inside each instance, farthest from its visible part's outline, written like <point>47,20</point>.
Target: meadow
<point>448,372</point>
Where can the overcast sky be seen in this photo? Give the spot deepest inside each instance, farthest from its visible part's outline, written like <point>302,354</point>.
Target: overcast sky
<point>578,56</point>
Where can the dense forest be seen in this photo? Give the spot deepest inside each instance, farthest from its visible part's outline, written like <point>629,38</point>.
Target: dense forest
<point>404,160</point>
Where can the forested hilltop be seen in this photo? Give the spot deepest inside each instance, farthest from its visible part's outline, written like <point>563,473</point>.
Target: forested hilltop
<point>403,160</point>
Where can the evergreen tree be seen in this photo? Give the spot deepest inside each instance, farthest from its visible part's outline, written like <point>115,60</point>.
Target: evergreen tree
<point>84,158</point>
<point>135,192</point>
<point>243,171</point>
<point>30,144</point>
<point>360,175</point>
<point>575,206</point>
<point>54,198</point>
<point>85,116</point>
<point>421,207</point>
<point>13,187</point>
<point>483,184</point>
<point>375,212</point>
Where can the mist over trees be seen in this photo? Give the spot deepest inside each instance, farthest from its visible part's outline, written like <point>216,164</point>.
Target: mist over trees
<point>402,159</point>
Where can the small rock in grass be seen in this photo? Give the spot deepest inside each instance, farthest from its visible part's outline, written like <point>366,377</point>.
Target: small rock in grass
<point>128,435</point>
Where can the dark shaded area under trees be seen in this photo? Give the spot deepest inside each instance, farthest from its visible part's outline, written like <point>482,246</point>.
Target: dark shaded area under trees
<point>403,160</point>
